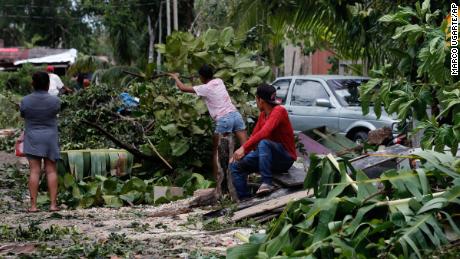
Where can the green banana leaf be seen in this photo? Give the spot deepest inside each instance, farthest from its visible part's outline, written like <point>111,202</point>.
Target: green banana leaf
<point>95,162</point>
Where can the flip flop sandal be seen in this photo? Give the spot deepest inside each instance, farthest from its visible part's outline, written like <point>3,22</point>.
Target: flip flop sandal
<point>33,211</point>
<point>265,189</point>
<point>55,210</point>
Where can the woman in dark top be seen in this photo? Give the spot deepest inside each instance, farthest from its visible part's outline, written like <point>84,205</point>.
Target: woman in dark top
<point>40,110</point>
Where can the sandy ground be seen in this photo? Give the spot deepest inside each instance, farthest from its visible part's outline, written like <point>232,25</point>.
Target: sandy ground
<point>180,236</point>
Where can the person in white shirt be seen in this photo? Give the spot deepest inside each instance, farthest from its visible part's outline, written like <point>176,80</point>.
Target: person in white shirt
<point>55,82</point>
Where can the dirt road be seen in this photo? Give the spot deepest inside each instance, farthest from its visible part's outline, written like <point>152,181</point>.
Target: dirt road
<point>126,232</point>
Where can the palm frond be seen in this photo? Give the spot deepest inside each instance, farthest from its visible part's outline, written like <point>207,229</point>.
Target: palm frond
<point>86,64</point>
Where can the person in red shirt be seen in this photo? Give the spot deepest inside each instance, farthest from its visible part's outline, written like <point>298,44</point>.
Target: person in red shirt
<point>270,148</point>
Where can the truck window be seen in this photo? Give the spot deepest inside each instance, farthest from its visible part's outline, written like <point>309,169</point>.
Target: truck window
<point>306,92</point>
<point>282,88</point>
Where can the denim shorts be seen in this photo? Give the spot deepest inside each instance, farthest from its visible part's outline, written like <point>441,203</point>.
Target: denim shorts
<point>230,122</point>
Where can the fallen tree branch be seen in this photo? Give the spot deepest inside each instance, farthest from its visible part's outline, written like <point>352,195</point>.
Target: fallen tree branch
<point>155,76</point>
<point>157,153</point>
<point>118,142</point>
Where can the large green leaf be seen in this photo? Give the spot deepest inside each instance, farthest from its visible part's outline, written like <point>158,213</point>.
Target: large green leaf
<point>112,201</point>
<point>243,251</point>
<point>226,36</point>
<point>76,164</point>
<point>131,197</point>
<point>69,181</point>
<point>134,184</point>
<point>274,246</point>
<point>179,147</point>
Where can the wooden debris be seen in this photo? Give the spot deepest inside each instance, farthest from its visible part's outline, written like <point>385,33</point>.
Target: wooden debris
<point>268,205</point>
<point>167,191</point>
<point>204,197</point>
<point>201,198</point>
<point>249,203</point>
<point>375,163</point>
<point>268,216</point>
<point>294,177</point>
<point>379,136</point>
<point>171,212</point>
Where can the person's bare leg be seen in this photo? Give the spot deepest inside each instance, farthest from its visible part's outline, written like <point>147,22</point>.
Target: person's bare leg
<point>242,136</point>
<point>52,179</point>
<point>215,142</point>
<point>34,180</point>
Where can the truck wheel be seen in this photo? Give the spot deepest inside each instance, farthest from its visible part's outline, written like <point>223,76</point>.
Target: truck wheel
<point>359,137</point>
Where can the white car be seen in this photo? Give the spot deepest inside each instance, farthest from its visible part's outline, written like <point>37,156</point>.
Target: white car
<point>329,100</point>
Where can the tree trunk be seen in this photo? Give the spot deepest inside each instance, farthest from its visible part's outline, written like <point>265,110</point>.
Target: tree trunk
<point>176,17</point>
<point>151,39</point>
<point>168,17</point>
<point>160,27</point>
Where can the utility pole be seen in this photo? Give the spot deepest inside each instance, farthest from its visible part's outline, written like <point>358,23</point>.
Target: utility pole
<point>168,17</point>
<point>175,14</point>
<point>160,27</point>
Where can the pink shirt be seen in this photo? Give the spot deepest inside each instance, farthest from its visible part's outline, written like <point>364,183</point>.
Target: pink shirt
<point>216,98</point>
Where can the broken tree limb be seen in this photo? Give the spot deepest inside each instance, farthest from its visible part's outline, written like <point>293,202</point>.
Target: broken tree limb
<point>154,76</point>
<point>118,142</point>
<point>157,153</point>
<point>201,198</point>
<point>204,197</point>
<point>268,205</point>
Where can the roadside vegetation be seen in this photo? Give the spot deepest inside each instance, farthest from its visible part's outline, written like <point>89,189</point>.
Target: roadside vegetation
<point>403,46</point>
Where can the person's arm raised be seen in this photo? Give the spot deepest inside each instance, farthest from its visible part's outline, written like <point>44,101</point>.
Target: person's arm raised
<point>180,85</point>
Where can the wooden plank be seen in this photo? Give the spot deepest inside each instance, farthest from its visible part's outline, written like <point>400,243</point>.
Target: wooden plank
<point>269,205</point>
<point>294,177</point>
<point>250,202</point>
<point>375,163</point>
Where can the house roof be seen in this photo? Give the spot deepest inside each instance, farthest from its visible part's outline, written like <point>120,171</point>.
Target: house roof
<point>68,56</point>
<point>19,55</point>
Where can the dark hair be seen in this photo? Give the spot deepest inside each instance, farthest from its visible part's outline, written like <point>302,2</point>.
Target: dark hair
<point>206,72</point>
<point>41,81</point>
<point>267,93</point>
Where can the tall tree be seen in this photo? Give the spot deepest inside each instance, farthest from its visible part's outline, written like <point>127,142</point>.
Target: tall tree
<point>127,25</point>
<point>52,23</point>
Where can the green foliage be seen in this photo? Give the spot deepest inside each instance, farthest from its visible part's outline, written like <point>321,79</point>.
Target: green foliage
<point>417,76</point>
<point>115,244</point>
<point>86,64</point>
<point>9,111</point>
<point>111,192</point>
<point>233,63</point>
<point>94,104</point>
<point>34,233</point>
<point>177,124</point>
<point>19,82</point>
<point>402,213</point>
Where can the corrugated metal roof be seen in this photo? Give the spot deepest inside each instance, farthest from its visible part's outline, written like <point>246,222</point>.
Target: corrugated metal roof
<point>13,54</point>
